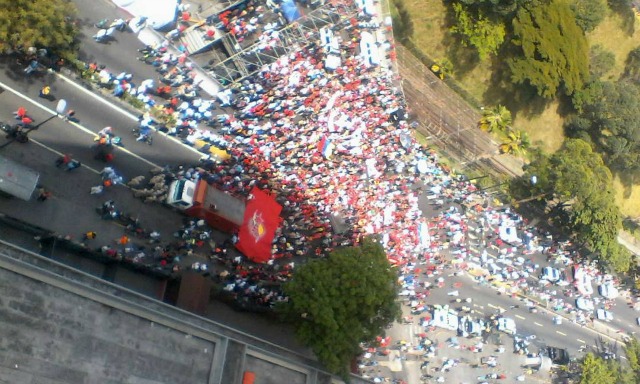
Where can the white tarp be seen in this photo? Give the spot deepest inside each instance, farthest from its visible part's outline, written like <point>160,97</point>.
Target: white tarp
<point>159,13</point>
<point>508,233</point>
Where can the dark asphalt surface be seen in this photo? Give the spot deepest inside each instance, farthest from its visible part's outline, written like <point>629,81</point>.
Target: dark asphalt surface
<point>71,209</point>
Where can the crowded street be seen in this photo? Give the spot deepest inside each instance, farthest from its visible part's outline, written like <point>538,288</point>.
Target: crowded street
<point>483,291</point>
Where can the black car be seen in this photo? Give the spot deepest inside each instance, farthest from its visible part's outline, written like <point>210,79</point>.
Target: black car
<point>558,356</point>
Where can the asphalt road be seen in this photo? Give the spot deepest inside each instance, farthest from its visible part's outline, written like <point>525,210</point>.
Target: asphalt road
<point>71,199</point>
<point>118,55</point>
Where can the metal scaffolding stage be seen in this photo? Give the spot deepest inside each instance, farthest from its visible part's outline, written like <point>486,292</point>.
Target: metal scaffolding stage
<point>244,62</point>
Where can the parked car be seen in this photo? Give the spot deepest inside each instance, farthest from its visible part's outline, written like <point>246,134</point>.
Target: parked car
<point>604,315</point>
<point>507,325</point>
<point>584,304</point>
<point>608,290</point>
<point>550,274</point>
<point>558,356</point>
<point>469,327</point>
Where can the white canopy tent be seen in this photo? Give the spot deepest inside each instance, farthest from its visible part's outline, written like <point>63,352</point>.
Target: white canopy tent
<point>159,13</point>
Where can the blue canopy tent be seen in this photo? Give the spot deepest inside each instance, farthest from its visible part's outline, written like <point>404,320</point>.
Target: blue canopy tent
<point>290,10</point>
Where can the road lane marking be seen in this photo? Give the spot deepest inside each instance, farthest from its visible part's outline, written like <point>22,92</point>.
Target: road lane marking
<point>582,341</point>
<point>98,98</point>
<point>125,112</point>
<point>538,324</point>
<point>80,127</point>
<point>520,317</point>
<point>61,154</point>
<point>561,333</point>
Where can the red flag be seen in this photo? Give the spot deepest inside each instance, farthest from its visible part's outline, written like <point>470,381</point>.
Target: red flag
<point>261,220</point>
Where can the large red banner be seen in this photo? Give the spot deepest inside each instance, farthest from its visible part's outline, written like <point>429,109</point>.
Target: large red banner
<point>261,220</point>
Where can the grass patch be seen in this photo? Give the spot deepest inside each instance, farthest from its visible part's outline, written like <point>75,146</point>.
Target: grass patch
<point>611,34</point>
<point>543,122</point>
<point>627,197</point>
<point>545,129</point>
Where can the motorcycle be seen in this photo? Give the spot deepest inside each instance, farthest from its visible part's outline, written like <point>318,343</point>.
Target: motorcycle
<point>118,24</point>
<point>108,211</point>
<point>143,134</point>
<point>104,35</point>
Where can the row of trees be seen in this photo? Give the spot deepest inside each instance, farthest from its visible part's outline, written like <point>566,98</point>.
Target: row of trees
<point>595,369</point>
<point>574,186</point>
<point>542,41</point>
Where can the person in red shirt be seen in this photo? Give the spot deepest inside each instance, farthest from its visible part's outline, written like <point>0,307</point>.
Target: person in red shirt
<point>20,113</point>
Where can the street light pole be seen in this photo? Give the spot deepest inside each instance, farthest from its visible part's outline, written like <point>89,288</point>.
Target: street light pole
<point>25,133</point>
<point>60,109</point>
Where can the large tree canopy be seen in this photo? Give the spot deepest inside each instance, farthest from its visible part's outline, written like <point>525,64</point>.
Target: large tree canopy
<point>610,119</point>
<point>554,50</point>
<point>476,29</point>
<point>577,185</point>
<point>344,300</point>
<point>37,23</point>
<point>596,370</point>
<point>589,13</point>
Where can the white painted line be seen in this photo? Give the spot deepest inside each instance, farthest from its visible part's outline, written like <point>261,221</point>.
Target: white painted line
<point>538,324</point>
<point>61,154</point>
<point>98,98</point>
<point>561,333</point>
<point>520,317</point>
<point>582,341</point>
<point>80,127</point>
<point>122,111</point>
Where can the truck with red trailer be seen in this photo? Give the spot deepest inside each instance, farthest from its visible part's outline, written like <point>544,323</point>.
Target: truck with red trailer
<point>254,219</point>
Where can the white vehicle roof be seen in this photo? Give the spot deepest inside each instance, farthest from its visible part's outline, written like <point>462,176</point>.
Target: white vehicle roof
<point>583,283</point>
<point>550,274</point>
<point>602,314</point>
<point>608,290</point>
<point>445,318</point>
<point>506,324</point>
<point>584,304</point>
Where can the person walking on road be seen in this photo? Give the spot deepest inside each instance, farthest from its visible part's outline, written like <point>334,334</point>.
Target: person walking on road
<point>89,235</point>
<point>43,194</point>
<point>63,160</point>
<point>70,115</point>
<point>123,240</point>
<point>45,92</point>
<point>20,113</point>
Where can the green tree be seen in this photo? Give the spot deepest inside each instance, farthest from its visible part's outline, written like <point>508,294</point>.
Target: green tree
<point>504,9</point>
<point>577,186</point>
<point>477,30</point>
<point>632,351</point>
<point>632,65</point>
<point>517,142</point>
<point>38,23</point>
<point>595,370</point>
<point>442,67</point>
<point>589,13</point>
<point>615,124</point>
<point>588,95</point>
<point>339,302</point>
<point>495,119</point>
<point>601,61</point>
<point>553,50</point>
